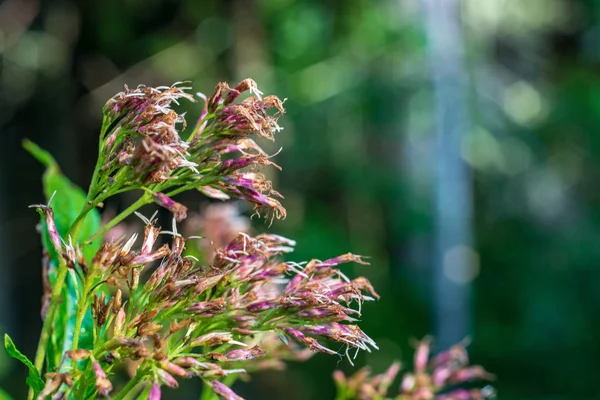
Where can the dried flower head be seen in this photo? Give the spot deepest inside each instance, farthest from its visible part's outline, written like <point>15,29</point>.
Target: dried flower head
<point>226,317</point>
<point>144,140</point>
<point>142,144</point>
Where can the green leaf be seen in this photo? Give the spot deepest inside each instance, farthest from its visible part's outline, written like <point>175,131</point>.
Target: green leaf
<point>67,203</point>
<point>33,379</point>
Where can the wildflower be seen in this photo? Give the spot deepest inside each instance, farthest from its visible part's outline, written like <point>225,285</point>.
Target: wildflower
<point>54,381</point>
<point>103,385</point>
<point>308,341</point>
<point>145,104</point>
<point>431,378</point>
<point>249,292</point>
<point>53,234</point>
<point>167,379</point>
<point>146,140</point>
<point>364,386</point>
<point>224,391</point>
<point>155,392</point>
<point>239,354</point>
<point>78,355</point>
<point>143,144</point>
<point>179,210</point>
<point>229,131</point>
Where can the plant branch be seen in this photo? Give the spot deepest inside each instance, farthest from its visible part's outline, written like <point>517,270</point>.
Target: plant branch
<point>130,385</point>
<point>143,200</point>
<point>40,354</point>
<point>74,230</point>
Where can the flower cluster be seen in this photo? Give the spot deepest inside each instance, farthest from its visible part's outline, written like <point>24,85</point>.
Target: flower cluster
<point>142,146</point>
<point>209,320</point>
<point>226,127</point>
<point>143,141</point>
<point>438,378</point>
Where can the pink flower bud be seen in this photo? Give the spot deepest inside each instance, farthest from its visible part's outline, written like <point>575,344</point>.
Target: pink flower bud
<point>472,373</point>
<point>423,394</point>
<point>441,375</point>
<point>408,383</point>
<point>245,354</point>
<point>217,97</point>
<point>179,210</point>
<point>167,378</point>
<point>212,339</point>
<point>422,355</point>
<point>119,323</point>
<point>349,257</point>
<point>149,257</point>
<point>53,383</point>
<point>77,355</point>
<point>154,392</point>
<point>150,235</point>
<point>388,378</point>
<point>213,193</point>
<point>308,341</point>
<point>225,392</point>
<point>174,369</point>
<point>51,227</point>
<point>187,362</point>
<point>211,307</point>
<point>103,385</point>
<point>246,84</point>
<point>109,142</point>
<point>261,306</point>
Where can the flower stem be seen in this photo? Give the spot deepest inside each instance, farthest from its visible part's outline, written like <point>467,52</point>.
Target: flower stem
<point>82,308</point>
<point>130,386</point>
<point>74,230</point>
<point>47,327</point>
<point>143,200</point>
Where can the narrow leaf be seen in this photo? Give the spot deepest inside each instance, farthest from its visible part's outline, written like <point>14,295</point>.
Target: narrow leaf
<point>33,379</point>
<point>67,203</point>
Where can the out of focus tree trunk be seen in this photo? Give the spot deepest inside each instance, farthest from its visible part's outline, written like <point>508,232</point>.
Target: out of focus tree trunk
<point>453,202</point>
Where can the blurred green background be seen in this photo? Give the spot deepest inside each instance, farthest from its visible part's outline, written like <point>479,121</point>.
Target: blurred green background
<point>358,159</point>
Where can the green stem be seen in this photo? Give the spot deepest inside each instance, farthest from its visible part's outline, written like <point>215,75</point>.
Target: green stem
<point>178,190</point>
<point>190,186</point>
<point>143,200</point>
<point>130,386</point>
<point>198,126</point>
<point>47,327</point>
<point>89,203</point>
<point>82,308</point>
<point>74,230</point>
